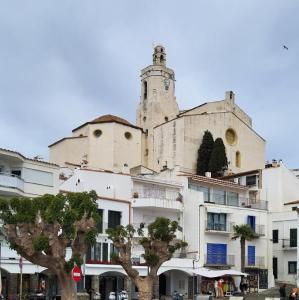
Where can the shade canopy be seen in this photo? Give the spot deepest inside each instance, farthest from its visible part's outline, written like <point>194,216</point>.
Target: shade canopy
<point>217,273</point>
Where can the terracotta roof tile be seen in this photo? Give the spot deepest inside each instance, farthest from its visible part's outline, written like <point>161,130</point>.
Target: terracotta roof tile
<point>108,119</point>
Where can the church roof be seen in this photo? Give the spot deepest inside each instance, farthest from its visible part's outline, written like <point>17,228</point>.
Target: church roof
<point>108,119</point>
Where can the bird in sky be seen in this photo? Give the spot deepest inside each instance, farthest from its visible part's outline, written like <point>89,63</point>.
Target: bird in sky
<point>285,47</point>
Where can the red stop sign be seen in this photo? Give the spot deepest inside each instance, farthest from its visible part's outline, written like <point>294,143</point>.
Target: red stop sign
<point>76,274</point>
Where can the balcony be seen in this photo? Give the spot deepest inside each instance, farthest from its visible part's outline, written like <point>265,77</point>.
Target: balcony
<point>11,181</point>
<point>288,245</point>
<point>260,230</point>
<point>219,260</point>
<point>157,198</point>
<point>236,201</point>
<point>254,261</point>
<point>184,254</point>
<point>217,228</point>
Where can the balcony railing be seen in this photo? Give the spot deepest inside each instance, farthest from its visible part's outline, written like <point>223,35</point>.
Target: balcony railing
<point>260,230</point>
<point>157,194</point>
<point>254,261</point>
<point>11,181</point>
<point>234,201</point>
<point>184,254</point>
<point>219,260</point>
<point>226,228</point>
<point>288,244</point>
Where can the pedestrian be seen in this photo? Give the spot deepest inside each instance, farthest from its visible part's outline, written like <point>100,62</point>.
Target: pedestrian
<point>220,288</point>
<point>293,296</point>
<point>282,291</point>
<point>216,288</point>
<point>242,285</point>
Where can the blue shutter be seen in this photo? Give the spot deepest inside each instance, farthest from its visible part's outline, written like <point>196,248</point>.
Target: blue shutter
<point>251,255</point>
<point>216,254</point>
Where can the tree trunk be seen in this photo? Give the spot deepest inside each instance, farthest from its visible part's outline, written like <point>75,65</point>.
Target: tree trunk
<point>67,286</point>
<point>242,243</point>
<point>145,288</point>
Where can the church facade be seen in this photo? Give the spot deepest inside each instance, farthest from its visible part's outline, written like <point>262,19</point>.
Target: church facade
<point>164,136</point>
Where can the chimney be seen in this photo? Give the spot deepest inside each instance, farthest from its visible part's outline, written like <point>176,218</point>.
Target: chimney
<point>274,163</point>
<point>125,169</point>
<point>208,174</point>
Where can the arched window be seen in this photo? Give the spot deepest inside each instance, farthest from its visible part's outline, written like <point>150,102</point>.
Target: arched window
<point>144,90</point>
<point>238,159</point>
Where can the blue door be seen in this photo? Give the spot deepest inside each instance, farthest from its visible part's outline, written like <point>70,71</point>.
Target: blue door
<point>216,254</point>
<point>251,222</point>
<point>251,255</point>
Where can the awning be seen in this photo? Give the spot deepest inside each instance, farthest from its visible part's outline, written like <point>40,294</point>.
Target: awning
<point>217,273</point>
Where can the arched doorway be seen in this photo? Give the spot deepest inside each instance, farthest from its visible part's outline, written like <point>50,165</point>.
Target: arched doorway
<point>111,282</point>
<point>175,280</point>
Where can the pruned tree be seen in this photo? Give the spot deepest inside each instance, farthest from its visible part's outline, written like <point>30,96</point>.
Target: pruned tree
<point>159,245</point>
<point>245,233</point>
<point>218,159</point>
<point>41,229</point>
<point>204,153</point>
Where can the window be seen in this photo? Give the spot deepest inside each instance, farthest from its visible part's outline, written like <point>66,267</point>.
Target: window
<point>292,267</point>
<point>166,119</point>
<point>105,252</point>
<point>97,133</point>
<point>219,196</point>
<point>128,135</point>
<point>144,90</point>
<point>230,136</point>
<point>16,173</point>
<point>293,237</point>
<point>233,199</point>
<point>216,254</point>
<point>251,222</point>
<point>205,190</point>
<point>275,236</point>
<point>216,222</point>
<point>251,255</point>
<point>113,218</point>
<point>100,224</point>
<point>251,180</point>
<point>238,159</point>
<point>293,208</point>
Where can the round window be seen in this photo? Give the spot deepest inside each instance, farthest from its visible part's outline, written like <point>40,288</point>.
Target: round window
<point>128,135</point>
<point>230,136</point>
<point>97,133</point>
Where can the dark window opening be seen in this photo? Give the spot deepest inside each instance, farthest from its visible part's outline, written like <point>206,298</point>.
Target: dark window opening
<point>166,119</point>
<point>16,173</point>
<point>292,267</point>
<point>275,236</point>
<point>113,218</point>
<point>293,237</point>
<point>144,90</point>
<point>251,180</point>
<point>100,224</point>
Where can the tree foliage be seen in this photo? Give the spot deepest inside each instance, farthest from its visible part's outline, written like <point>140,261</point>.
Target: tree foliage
<point>245,233</point>
<point>40,230</point>
<point>218,159</point>
<point>204,153</point>
<point>159,243</point>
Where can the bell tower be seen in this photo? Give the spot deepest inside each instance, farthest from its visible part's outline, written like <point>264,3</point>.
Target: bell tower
<point>157,101</point>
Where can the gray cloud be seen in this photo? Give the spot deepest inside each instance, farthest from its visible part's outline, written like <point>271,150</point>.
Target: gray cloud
<point>65,62</point>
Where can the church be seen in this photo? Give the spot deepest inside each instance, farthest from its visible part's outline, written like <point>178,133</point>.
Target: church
<point>164,136</point>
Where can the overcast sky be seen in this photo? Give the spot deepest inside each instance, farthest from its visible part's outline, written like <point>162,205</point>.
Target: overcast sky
<point>63,63</point>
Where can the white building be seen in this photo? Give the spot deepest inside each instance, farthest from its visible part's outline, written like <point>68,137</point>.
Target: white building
<point>279,186</point>
<point>21,176</point>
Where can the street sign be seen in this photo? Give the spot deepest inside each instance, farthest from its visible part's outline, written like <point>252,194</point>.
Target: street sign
<point>76,274</point>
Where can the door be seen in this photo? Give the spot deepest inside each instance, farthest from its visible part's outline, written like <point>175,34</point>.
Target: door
<point>275,267</point>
